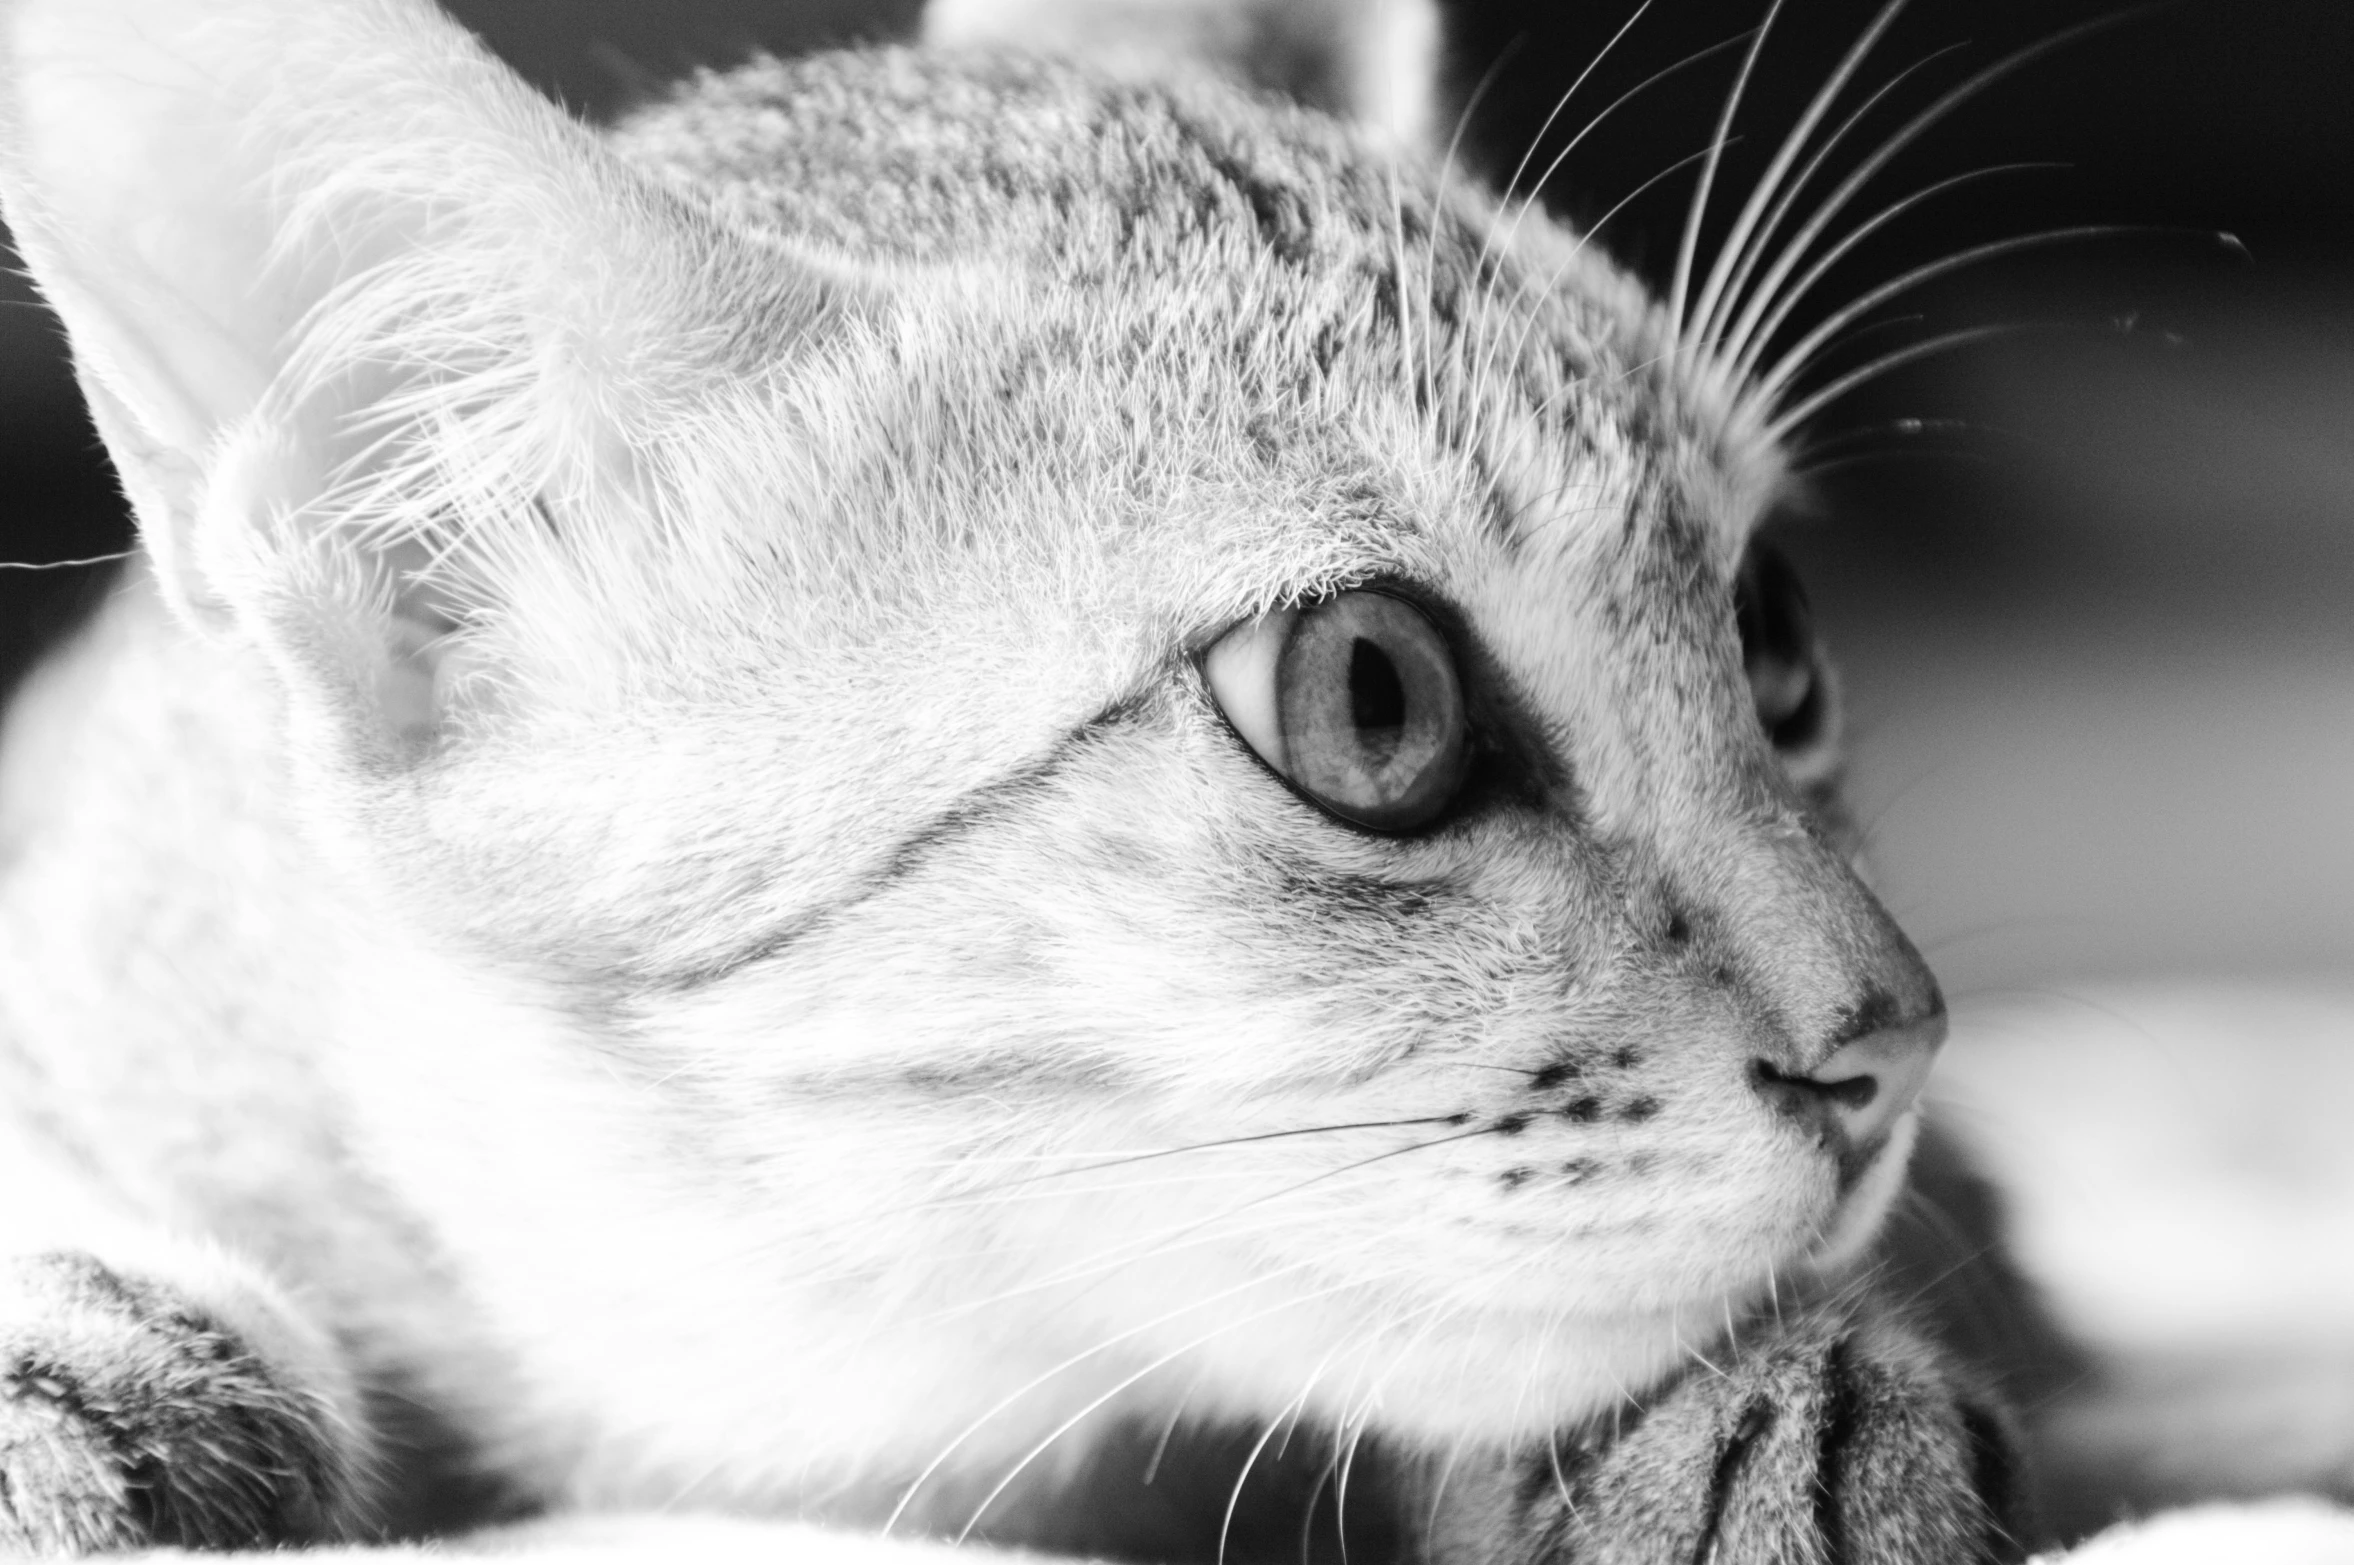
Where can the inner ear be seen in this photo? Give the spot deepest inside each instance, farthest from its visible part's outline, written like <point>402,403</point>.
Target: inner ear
<point>355,310</point>
<point>424,631</point>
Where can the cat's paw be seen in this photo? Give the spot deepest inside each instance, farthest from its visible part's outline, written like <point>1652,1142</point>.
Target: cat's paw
<point>131,1417</point>
<point>1833,1442</point>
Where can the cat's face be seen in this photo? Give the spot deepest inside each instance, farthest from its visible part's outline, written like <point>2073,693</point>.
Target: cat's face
<point>878,711</point>
<point>938,832</point>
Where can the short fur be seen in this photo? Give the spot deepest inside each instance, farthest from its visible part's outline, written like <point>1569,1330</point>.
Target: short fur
<point>643,903</point>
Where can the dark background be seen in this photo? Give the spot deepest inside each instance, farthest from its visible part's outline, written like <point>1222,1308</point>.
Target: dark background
<point>2090,581</point>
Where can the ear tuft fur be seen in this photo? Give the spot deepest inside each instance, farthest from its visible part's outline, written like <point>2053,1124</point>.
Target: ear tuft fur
<point>356,313</point>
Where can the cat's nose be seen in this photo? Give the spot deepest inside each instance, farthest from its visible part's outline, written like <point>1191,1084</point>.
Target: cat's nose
<point>1857,1094</point>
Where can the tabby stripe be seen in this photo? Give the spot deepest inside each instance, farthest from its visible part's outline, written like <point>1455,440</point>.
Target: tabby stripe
<point>970,811</point>
<point>1838,1434</point>
<point>1278,210</point>
<point>1756,1420</point>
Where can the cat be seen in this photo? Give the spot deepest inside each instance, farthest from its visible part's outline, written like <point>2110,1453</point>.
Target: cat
<point>955,792</point>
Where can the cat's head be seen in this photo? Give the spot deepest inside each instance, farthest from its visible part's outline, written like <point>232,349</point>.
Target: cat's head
<point>1160,697</point>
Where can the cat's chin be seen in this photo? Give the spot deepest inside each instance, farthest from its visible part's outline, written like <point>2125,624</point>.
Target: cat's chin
<point>1519,1371</point>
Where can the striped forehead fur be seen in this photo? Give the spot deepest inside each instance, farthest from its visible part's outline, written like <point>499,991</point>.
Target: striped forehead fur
<point>1075,221</point>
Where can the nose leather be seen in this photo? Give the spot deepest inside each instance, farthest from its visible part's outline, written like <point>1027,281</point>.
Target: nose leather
<point>1863,1088</point>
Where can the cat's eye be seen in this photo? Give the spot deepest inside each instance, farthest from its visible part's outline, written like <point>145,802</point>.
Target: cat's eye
<point>1355,700</point>
<point>1778,650</point>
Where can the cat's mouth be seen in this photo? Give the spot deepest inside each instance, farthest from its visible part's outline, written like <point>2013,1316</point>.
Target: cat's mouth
<point>1652,1205</point>
<point>1871,1177</point>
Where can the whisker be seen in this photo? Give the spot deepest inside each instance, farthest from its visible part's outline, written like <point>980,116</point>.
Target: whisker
<point>1104,1346</point>
<point>1818,458</point>
<point>1957,940</point>
<point>1795,362</point>
<point>1860,330</point>
<point>1011,1398</point>
<point>1484,372</point>
<point>1560,1479</point>
<point>1780,429</point>
<point>1307,1544</point>
<point>1490,364</point>
<point>1578,250</point>
<point>1107,1344</point>
<point>1317,1179</point>
<point>1790,420</point>
<point>1484,1065</point>
<point>1512,185</point>
<point>1696,1356</point>
<point>62,565</point>
<point>1746,350</point>
<point>1737,291</point>
<point>1068,1424</point>
<point>1340,1498</point>
<point>1152,1466</point>
<point>1435,1314</point>
<point>988,1200</point>
<point>1143,1245</point>
<point>1690,242</point>
<point>1471,103</point>
<point>1920,1206</point>
<point>1351,1432</point>
<point>1398,272</point>
<point>1131,1159</point>
<point>1218,1227</point>
<point>1816,472</point>
<point>1368,1162</point>
<point>1234,1497</point>
<point>1438,205</point>
<point>1462,122</point>
<point>1613,106</point>
<point>1149,1247</point>
<point>1795,252</point>
<point>1438,1491</point>
<point>1113,1157</point>
<point>1736,242</point>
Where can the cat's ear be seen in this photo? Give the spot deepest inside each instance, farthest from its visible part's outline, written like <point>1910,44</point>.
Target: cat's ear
<point>369,328</point>
<point>1377,62</point>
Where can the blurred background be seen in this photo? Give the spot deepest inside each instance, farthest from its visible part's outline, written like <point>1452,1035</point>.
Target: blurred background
<point>2089,580</point>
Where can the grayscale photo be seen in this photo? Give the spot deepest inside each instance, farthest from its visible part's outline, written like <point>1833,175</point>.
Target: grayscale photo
<point>1177,782</point>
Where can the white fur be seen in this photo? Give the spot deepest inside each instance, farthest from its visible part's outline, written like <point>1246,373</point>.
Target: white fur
<point>650,840</point>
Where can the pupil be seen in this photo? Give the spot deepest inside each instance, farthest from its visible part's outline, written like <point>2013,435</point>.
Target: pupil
<point>1377,697</point>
